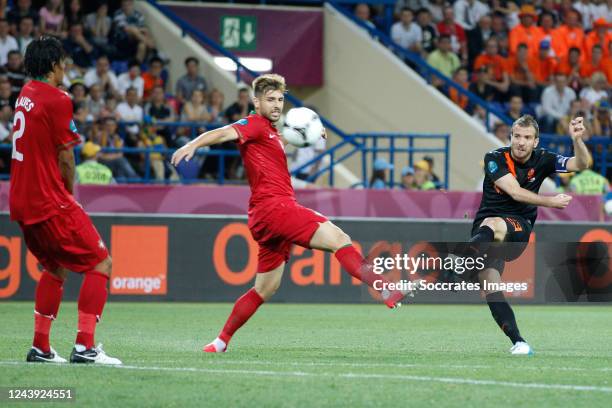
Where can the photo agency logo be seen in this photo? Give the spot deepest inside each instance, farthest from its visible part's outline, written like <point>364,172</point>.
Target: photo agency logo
<point>461,271</point>
<point>422,262</point>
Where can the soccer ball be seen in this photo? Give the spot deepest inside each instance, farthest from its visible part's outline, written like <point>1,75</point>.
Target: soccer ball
<point>302,127</point>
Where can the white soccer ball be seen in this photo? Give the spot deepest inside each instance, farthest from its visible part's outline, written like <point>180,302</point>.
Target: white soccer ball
<point>302,127</point>
<point>608,207</point>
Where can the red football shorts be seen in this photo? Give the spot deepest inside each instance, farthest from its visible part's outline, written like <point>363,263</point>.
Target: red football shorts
<point>286,224</point>
<point>67,240</point>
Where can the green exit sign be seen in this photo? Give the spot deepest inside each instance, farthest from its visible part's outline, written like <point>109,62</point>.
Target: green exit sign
<point>239,33</point>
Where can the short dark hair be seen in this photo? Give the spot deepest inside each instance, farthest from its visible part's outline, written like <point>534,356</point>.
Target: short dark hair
<point>192,59</point>
<point>41,55</point>
<point>77,106</point>
<point>243,89</point>
<point>77,84</point>
<point>13,52</point>
<point>407,9</point>
<point>133,63</point>
<point>575,49</point>
<point>444,37</point>
<point>156,59</point>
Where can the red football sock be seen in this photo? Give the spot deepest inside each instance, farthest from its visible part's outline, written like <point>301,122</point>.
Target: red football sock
<point>47,301</point>
<point>243,309</point>
<point>92,298</point>
<point>352,261</point>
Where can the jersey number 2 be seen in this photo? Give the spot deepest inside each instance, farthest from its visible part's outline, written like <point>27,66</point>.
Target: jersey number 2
<point>17,133</point>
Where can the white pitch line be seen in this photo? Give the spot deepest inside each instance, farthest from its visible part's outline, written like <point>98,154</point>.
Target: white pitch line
<point>285,374</point>
<point>404,365</point>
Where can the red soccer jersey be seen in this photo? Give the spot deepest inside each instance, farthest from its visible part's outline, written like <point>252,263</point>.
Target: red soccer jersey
<point>263,154</point>
<point>42,126</point>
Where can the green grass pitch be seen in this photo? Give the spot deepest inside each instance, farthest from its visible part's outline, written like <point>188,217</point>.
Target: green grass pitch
<point>323,355</point>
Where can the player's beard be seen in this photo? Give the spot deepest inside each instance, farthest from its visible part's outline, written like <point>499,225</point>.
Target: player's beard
<point>273,115</point>
<point>521,154</point>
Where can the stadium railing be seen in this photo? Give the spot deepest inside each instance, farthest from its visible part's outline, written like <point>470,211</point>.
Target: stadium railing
<point>368,145</point>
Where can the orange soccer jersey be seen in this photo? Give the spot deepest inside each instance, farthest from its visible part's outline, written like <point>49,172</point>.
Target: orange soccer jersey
<point>516,71</point>
<point>530,36</point>
<point>592,38</point>
<point>542,69</point>
<point>605,66</point>
<point>150,82</point>
<point>459,99</point>
<point>565,38</point>
<point>496,65</point>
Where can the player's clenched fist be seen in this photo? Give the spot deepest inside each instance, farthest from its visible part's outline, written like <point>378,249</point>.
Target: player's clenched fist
<point>186,152</point>
<point>576,128</point>
<point>560,201</point>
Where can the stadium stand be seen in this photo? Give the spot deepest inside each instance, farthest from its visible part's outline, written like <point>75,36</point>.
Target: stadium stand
<point>499,63</point>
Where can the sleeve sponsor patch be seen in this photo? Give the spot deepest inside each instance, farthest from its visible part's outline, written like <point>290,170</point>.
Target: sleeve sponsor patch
<point>73,127</point>
<point>492,166</point>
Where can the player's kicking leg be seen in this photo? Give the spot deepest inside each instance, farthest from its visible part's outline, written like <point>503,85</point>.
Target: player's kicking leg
<point>495,229</point>
<point>329,237</point>
<point>266,285</point>
<point>48,297</point>
<point>92,298</point>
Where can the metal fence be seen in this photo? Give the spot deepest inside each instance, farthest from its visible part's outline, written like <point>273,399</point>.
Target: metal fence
<point>368,145</point>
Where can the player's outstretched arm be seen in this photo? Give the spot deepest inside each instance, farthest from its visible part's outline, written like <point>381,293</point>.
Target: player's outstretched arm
<point>510,186</point>
<point>65,159</point>
<point>582,159</point>
<point>224,134</point>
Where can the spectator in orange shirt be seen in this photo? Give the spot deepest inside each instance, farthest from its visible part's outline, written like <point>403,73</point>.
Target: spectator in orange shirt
<point>526,32</point>
<point>597,63</point>
<point>600,35</point>
<point>547,24</point>
<point>570,67</point>
<point>496,67</point>
<point>460,77</point>
<point>543,65</point>
<point>153,77</point>
<point>522,81</point>
<point>569,34</point>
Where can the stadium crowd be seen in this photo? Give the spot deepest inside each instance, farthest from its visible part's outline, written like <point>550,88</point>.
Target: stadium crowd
<point>114,74</point>
<point>530,56</point>
<point>550,59</point>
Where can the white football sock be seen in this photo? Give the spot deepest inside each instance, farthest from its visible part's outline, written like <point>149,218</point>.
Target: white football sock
<point>219,344</point>
<point>385,294</point>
